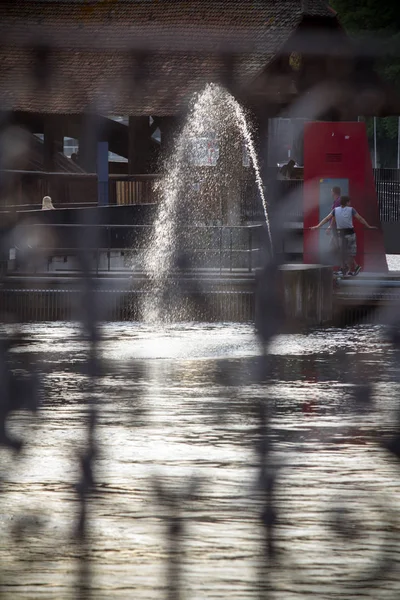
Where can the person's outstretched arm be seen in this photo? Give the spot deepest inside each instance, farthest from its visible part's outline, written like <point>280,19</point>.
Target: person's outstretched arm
<point>327,218</point>
<point>363,221</point>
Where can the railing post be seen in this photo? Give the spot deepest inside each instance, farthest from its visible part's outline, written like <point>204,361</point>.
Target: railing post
<point>97,261</point>
<point>250,249</point>
<point>102,173</point>
<point>220,249</point>
<point>230,248</point>
<point>109,248</point>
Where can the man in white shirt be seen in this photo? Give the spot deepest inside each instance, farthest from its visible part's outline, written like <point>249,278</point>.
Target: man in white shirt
<point>343,216</point>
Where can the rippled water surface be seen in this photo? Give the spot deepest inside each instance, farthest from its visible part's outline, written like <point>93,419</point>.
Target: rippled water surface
<point>180,403</point>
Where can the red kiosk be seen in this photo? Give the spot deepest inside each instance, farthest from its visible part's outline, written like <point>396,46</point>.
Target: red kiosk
<point>337,154</point>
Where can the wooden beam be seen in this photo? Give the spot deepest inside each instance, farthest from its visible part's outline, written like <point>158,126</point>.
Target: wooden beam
<point>53,141</point>
<point>139,145</point>
<point>91,132</point>
<point>168,127</point>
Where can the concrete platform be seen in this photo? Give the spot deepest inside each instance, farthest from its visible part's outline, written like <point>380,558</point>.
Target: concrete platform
<point>306,293</point>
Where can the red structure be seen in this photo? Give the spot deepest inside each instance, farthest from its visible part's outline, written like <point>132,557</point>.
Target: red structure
<point>337,154</point>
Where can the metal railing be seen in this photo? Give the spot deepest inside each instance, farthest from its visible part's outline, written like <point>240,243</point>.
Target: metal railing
<point>27,188</point>
<point>35,304</point>
<point>218,248</point>
<point>387,183</point>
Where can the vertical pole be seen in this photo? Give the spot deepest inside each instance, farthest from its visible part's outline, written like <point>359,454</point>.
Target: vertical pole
<point>375,157</point>
<point>139,145</point>
<point>53,142</point>
<point>89,136</point>
<point>109,248</point>
<point>102,173</point>
<point>230,248</point>
<point>220,250</point>
<point>398,143</point>
<point>250,249</point>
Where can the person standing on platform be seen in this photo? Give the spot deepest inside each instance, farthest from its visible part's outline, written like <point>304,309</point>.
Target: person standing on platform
<point>343,217</point>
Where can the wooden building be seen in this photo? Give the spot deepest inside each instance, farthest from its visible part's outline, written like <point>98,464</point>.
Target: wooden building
<point>67,66</point>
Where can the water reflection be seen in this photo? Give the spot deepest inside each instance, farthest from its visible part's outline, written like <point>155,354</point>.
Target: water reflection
<point>179,402</point>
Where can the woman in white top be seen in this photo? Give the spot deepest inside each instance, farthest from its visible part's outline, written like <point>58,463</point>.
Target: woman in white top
<point>343,216</point>
<point>47,203</point>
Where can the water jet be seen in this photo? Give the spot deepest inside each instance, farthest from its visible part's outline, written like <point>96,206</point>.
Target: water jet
<point>198,196</point>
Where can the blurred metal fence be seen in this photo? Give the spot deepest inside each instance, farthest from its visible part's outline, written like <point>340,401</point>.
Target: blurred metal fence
<point>277,545</point>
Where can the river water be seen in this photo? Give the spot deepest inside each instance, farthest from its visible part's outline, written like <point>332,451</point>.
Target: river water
<point>180,403</point>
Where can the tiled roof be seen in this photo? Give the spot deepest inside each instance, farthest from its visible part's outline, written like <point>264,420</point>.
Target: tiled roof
<point>135,56</point>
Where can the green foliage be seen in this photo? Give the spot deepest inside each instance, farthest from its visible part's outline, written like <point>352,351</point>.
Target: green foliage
<point>375,18</point>
<point>368,15</point>
<point>379,19</point>
<point>387,140</point>
<point>385,128</point>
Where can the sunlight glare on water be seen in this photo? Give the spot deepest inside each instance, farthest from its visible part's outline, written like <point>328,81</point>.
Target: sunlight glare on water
<point>178,401</point>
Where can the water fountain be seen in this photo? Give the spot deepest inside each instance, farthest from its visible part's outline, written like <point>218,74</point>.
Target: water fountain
<point>201,187</point>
